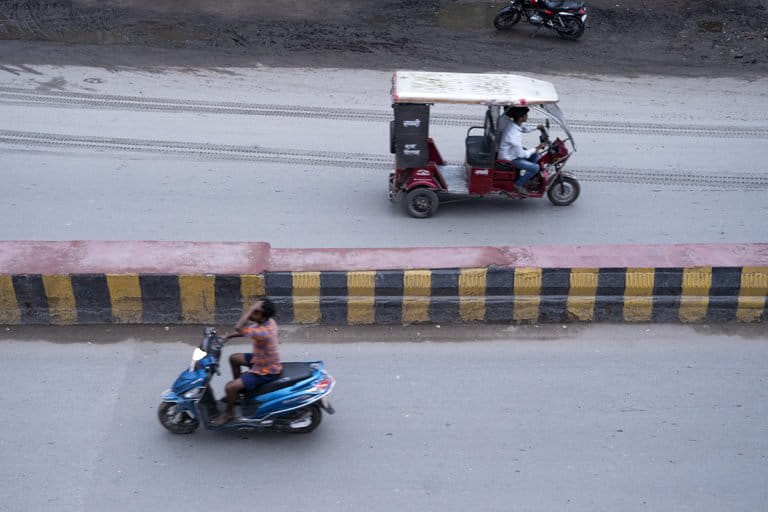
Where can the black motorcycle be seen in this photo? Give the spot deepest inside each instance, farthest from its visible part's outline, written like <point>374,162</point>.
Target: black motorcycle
<point>566,17</point>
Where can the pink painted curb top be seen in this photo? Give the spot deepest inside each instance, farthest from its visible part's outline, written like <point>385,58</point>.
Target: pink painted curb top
<point>152,257</point>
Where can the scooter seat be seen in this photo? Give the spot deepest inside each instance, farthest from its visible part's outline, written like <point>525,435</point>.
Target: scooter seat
<point>291,374</point>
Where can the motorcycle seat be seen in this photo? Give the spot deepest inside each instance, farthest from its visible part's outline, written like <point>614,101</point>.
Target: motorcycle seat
<point>563,5</point>
<point>291,374</point>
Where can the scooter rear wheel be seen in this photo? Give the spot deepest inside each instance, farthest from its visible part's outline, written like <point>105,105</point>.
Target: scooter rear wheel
<point>302,421</point>
<point>175,420</point>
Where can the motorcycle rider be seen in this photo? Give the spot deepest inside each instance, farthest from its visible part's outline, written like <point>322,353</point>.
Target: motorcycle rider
<point>264,361</point>
<point>511,147</point>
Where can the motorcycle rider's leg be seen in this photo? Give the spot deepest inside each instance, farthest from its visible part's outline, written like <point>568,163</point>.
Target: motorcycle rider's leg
<point>232,388</point>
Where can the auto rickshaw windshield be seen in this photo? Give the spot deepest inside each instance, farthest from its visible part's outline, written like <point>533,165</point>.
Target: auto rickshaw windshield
<point>552,111</point>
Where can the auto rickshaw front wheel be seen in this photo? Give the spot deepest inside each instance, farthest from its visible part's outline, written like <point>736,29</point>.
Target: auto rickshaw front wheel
<point>421,203</point>
<point>564,191</point>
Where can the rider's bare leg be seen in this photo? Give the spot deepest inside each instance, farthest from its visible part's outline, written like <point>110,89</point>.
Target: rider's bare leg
<point>232,388</point>
<point>237,361</point>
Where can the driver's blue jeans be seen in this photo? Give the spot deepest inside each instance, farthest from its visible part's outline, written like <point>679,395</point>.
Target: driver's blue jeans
<point>528,165</point>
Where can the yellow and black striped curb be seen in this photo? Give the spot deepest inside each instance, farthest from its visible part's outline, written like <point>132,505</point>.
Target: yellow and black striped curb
<point>696,294</point>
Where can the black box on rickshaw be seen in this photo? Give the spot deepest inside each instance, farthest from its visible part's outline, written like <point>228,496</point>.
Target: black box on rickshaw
<point>409,133</point>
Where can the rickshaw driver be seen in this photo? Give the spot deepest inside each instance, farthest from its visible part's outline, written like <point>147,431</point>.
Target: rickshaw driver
<point>511,147</point>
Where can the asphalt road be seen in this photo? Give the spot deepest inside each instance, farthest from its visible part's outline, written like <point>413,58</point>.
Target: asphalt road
<point>587,418</point>
<point>299,158</point>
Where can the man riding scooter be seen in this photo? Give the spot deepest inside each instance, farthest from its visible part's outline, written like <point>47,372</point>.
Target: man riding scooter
<point>512,151</point>
<point>264,362</point>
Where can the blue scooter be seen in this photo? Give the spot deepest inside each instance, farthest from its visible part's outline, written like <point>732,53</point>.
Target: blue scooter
<point>292,403</point>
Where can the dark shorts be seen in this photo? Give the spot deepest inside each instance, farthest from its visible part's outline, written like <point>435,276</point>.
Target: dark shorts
<point>253,380</point>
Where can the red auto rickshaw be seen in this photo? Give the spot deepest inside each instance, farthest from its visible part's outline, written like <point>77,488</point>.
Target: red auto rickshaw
<point>422,178</point>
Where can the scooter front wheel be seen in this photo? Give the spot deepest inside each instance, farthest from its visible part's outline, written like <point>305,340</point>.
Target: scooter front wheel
<point>175,419</point>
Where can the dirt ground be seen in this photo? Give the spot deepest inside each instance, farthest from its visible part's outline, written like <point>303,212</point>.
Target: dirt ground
<point>675,37</point>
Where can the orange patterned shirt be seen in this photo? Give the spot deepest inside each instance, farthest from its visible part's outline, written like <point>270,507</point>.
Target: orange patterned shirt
<point>265,360</point>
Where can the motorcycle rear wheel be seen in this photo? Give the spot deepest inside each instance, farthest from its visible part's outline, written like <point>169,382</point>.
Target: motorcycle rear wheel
<point>506,20</point>
<point>574,28</point>
<point>176,421</point>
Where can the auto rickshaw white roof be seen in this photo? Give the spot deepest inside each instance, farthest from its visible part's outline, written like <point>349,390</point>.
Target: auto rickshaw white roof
<point>471,88</point>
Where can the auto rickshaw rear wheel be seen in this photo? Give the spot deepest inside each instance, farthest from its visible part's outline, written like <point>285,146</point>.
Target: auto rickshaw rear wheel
<point>421,202</point>
<point>564,191</point>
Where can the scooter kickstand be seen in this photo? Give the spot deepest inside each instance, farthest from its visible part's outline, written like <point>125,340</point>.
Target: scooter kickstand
<point>536,31</point>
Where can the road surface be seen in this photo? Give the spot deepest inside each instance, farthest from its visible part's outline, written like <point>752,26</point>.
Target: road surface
<point>535,418</point>
<point>299,158</point>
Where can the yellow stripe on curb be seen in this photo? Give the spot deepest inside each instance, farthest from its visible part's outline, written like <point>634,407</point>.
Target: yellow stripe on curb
<point>9,307</point>
<point>527,294</point>
<point>306,297</point>
<point>694,298</point>
<point>361,293</point>
<point>62,309</point>
<point>252,288</point>
<point>638,294</point>
<point>472,284</point>
<point>125,296</point>
<point>417,288</point>
<point>582,293</point>
<point>754,288</point>
<point>198,298</point>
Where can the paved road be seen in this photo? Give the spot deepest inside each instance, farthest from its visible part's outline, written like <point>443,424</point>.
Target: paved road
<point>124,154</point>
<point>536,418</point>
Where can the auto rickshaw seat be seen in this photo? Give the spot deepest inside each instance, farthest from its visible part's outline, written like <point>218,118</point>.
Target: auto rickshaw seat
<point>481,150</point>
<point>504,166</point>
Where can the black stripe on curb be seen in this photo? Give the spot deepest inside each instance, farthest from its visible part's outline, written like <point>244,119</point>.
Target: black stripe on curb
<point>279,288</point>
<point>30,296</point>
<point>388,297</point>
<point>160,299</point>
<point>724,294</point>
<point>499,294</point>
<point>92,300</point>
<point>555,285</point>
<point>609,300</point>
<point>333,298</point>
<point>444,300</point>
<point>667,287</point>
<point>229,298</point>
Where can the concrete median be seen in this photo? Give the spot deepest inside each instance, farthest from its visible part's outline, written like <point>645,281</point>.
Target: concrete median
<point>64,283</point>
